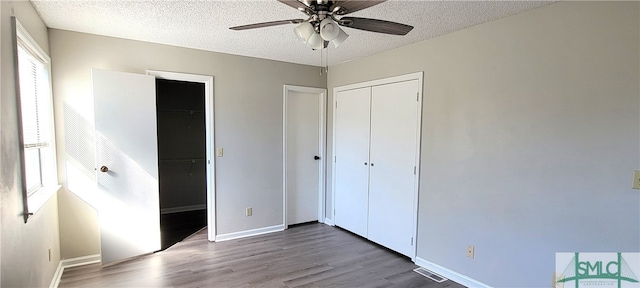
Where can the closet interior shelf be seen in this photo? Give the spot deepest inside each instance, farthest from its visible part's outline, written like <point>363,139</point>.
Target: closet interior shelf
<point>182,111</point>
<point>186,160</point>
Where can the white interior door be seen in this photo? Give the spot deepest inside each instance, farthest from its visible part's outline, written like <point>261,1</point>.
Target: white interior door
<point>394,122</point>
<point>126,145</point>
<point>352,159</point>
<point>303,153</point>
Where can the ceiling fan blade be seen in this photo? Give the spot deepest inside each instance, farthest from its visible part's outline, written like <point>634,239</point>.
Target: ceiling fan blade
<point>267,24</point>
<point>303,5</point>
<point>350,6</point>
<point>375,25</point>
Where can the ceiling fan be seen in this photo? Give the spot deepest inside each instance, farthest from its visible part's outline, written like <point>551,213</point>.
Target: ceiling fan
<point>322,24</point>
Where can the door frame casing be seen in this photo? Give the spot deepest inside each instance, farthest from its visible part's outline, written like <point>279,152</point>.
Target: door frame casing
<point>378,82</point>
<point>322,101</point>
<point>207,80</point>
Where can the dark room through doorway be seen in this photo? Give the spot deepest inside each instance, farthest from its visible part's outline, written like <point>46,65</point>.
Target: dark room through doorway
<point>182,159</point>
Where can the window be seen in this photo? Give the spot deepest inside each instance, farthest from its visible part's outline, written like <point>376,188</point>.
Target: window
<point>39,176</point>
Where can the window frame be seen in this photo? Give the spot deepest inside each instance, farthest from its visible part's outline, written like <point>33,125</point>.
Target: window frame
<point>34,199</point>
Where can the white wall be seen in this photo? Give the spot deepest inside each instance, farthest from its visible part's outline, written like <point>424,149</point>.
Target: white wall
<point>24,246</point>
<point>248,123</point>
<point>530,135</point>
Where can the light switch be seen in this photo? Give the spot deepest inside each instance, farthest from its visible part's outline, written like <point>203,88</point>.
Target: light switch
<point>219,152</point>
<point>636,179</point>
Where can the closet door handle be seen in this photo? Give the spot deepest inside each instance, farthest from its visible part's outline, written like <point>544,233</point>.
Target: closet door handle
<point>371,164</point>
<point>316,157</point>
<point>104,169</point>
<point>365,163</point>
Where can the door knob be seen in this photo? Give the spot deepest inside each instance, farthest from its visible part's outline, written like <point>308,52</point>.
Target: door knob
<point>316,158</point>
<point>104,169</point>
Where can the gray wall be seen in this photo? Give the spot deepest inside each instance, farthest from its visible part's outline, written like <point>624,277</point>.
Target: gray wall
<point>530,136</point>
<point>248,123</point>
<point>24,247</point>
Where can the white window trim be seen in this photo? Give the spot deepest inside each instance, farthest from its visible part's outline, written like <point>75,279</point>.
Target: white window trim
<point>36,200</point>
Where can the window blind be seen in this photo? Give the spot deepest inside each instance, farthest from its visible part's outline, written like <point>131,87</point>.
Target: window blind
<point>35,111</point>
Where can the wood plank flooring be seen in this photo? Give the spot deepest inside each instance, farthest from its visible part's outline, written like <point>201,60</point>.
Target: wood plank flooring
<point>311,255</point>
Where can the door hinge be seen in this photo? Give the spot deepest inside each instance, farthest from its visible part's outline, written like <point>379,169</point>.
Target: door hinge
<point>335,159</point>
<point>417,96</point>
<point>411,241</point>
<point>336,104</point>
<point>414,170</point>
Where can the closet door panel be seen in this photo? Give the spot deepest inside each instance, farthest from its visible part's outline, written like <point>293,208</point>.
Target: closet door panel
<point>352,159</point>
<point>394,122</point>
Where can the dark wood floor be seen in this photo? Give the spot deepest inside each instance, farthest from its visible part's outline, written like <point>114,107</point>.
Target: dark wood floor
<point>313,255</point>
<point>175,227</point>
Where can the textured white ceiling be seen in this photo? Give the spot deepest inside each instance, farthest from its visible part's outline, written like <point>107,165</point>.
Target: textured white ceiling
<point>204,24</point>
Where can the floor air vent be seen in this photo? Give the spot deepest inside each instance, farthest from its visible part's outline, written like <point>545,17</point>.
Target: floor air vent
<point>430,275</point>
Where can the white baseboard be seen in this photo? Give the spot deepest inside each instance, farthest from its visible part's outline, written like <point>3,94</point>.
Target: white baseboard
<point>183,209</point>
<point>79,261</point>
<point>73,262</point>
<point>249,233</point>
<point>56,277</point>
<point>329,222</point>
<point>452,275</point>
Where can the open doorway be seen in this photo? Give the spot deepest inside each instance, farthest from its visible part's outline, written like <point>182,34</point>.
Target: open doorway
<point>182,159</point>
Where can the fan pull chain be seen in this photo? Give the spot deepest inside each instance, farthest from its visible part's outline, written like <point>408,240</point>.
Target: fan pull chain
<point>326,66</point>
<point>321,61</point>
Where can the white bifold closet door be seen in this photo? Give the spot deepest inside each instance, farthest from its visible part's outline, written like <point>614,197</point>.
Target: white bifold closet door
<point>352,160</point>
<point>376,150</point>
<point>393,148</point>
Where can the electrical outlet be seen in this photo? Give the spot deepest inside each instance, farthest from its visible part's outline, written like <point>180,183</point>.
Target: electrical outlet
<point>249,211</point>
<point>636,179</point>
<point>470,251</point>
<point>49,254</point>
<point>219,152</point>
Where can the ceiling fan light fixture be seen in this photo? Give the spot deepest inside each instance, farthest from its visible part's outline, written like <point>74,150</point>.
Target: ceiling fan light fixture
<point>304,31</point>
<point>322,27</point>
<point>340,38</point>
<point>329,30</point>
<point>315,41</point>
